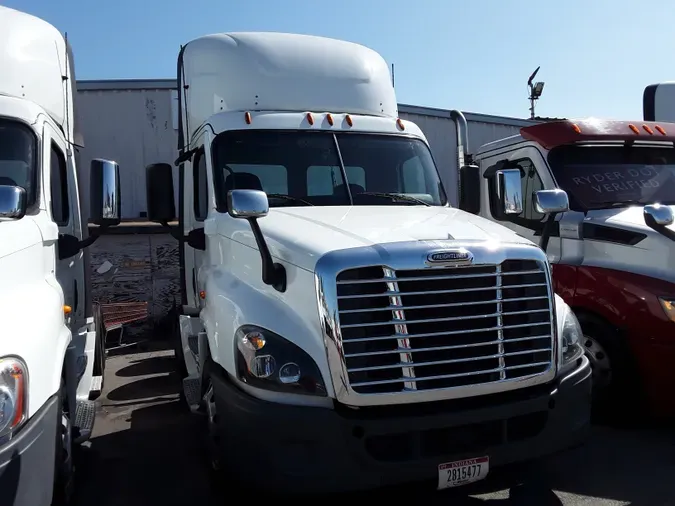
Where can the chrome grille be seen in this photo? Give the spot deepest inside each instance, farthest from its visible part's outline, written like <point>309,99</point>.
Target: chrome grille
<point>425,329</point>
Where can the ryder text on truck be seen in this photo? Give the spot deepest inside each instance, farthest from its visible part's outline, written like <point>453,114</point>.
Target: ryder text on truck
<point>52,356</point>
<point>342,326</point>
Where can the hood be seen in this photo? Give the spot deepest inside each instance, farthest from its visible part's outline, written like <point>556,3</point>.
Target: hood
<point>301,235</point>
<point>630,218</point>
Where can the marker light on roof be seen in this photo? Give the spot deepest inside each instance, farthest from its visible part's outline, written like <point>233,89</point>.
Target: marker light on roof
<point>349,120</point>
<point>310,119</point>
<point>329,117</point>
<point>564,132</point>
<point>247,118</point>
<point>400,124</point>
<point>648,130</point>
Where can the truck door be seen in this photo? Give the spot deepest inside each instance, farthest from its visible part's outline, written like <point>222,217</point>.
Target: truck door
<point>195,211</point>
<point>63,205</point>
<point>535,176</point>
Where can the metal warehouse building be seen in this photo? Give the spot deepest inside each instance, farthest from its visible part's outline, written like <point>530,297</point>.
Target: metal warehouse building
<point>135,122</point>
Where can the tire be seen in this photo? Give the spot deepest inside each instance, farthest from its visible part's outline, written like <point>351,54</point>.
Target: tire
<point>64,470</point>
<point>99,349</point>
<point>616,386</point>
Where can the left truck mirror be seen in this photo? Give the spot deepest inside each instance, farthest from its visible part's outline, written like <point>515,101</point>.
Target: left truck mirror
<point>105,205</point>
<point>12,203</point>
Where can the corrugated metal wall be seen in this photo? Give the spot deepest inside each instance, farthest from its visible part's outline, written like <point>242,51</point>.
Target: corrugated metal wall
<point>441,134</point>
<point>132,127</point>
<point>135,124</point>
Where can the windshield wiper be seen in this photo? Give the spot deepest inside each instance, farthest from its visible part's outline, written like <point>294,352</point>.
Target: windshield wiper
<point>288,197</point>
<point>395,196</point>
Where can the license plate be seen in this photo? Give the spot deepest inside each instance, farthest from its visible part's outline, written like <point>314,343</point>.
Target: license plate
<point>462,472</point>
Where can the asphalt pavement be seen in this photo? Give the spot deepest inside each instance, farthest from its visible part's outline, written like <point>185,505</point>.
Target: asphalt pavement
<point>147,450</point>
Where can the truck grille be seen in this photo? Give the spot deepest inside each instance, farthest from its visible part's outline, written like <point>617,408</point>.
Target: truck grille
<point>428,329</point>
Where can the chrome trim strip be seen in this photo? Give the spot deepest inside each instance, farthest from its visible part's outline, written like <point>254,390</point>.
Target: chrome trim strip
<point>412,255</point>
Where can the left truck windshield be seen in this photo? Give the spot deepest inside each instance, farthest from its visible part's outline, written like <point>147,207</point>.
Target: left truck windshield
<point>18,157</point>
<point>603,177</point>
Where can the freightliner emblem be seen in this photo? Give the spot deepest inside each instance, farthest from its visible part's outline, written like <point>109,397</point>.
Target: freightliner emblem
<point>450,257</point>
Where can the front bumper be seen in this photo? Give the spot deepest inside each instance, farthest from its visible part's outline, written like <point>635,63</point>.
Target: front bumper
<point>27,461</point>
<point>315,450</point>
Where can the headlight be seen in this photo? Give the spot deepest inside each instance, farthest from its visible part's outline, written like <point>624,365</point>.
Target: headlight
<point>668,306</point>
<point>13,394</point>
<point>268,361</point>
<point>570,338</point>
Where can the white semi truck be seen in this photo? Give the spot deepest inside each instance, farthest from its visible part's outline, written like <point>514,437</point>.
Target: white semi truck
<point>52,357</point>
<point>341,326</point>
<point>611,249</point>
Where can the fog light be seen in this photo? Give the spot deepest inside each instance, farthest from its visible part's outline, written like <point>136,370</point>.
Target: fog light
<point>262,366</point>
<point>289,373</point>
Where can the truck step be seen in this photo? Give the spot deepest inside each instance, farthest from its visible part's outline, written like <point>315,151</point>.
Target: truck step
<point>192,389</point>
<point>193,344</point>
<point>95,388</point>
<point>85,414</point>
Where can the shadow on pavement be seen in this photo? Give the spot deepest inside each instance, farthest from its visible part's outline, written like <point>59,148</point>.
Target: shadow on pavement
<point>153,365</point>
<point>633,467</point>
<point>155,461</point>
<point>154,386</point>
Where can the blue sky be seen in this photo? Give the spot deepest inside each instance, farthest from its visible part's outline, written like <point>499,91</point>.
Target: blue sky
<point>596,56</point>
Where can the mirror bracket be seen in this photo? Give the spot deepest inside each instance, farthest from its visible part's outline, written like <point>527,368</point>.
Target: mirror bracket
<point>69,245</point>
<point>273,273</point>
<point>195,238</point>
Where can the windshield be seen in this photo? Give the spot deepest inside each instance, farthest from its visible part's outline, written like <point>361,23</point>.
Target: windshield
<point>306,168</point>
<point>17,157</point>
<point>602,177</point>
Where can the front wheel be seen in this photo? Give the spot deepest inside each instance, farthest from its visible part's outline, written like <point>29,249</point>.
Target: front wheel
<point>64,469</point>
<point>615,379</point>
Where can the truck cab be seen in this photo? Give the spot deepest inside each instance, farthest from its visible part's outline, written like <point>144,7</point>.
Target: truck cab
<point>52,356</point>
<point>611,252</point>
<point>341,326</point>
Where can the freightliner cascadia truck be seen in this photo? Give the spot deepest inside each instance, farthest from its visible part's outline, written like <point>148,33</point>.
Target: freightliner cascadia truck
<point>341,326</point>
<point>52,355</point>
<point>611,251</point>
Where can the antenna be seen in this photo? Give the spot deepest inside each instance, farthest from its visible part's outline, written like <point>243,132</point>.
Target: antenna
<point>393,83</point>
<point>535,90</point>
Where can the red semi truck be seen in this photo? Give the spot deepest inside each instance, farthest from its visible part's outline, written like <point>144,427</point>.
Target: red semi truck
<point>611,245</point>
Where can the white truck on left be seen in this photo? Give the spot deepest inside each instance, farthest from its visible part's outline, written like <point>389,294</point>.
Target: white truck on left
<point>51,351</point>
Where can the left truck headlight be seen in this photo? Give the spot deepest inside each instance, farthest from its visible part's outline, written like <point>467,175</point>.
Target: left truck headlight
<point>13,395</point>
<point>570,338</point>
<point>268,361</point>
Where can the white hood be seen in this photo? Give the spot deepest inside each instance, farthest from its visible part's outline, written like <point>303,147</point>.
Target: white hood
<point>301,235</point>
<point>629,217</point>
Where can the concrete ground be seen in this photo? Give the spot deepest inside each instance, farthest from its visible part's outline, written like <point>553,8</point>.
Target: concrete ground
<point>146,450</point>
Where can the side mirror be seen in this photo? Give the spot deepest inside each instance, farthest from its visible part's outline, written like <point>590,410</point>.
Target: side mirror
<point>251,205</point>
<point>105,204</point>
<point>469,188</point>
<point>551,201</point>
<point>511,201</point>
<point>12,203</point>
<point>658,214</point>
<point>247,204</point>
<point>159,192</point>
